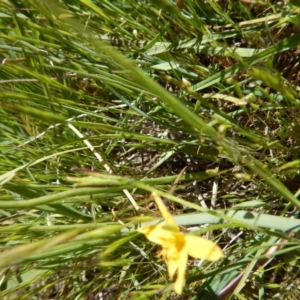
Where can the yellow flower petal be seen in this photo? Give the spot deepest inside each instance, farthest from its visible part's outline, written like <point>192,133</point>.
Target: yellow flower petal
<point>176,246</point>
<point>164,237</point>
<point>199,247</point>
<point>172,267</point>
<point>171,224</point>
<point>154,233</point>
<point>173,250</point>
<point>181,265</point>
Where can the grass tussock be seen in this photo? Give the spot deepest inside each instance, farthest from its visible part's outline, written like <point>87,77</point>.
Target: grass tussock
<point>104,102</point>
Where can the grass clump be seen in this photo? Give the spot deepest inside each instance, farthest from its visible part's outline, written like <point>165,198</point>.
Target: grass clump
<point>104,102</point>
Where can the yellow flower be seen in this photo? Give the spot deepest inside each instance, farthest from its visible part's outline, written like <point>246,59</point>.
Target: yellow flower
<point>176,246</point>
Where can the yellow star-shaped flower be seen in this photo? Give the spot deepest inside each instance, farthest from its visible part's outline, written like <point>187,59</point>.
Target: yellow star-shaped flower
<point>176,246</point>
